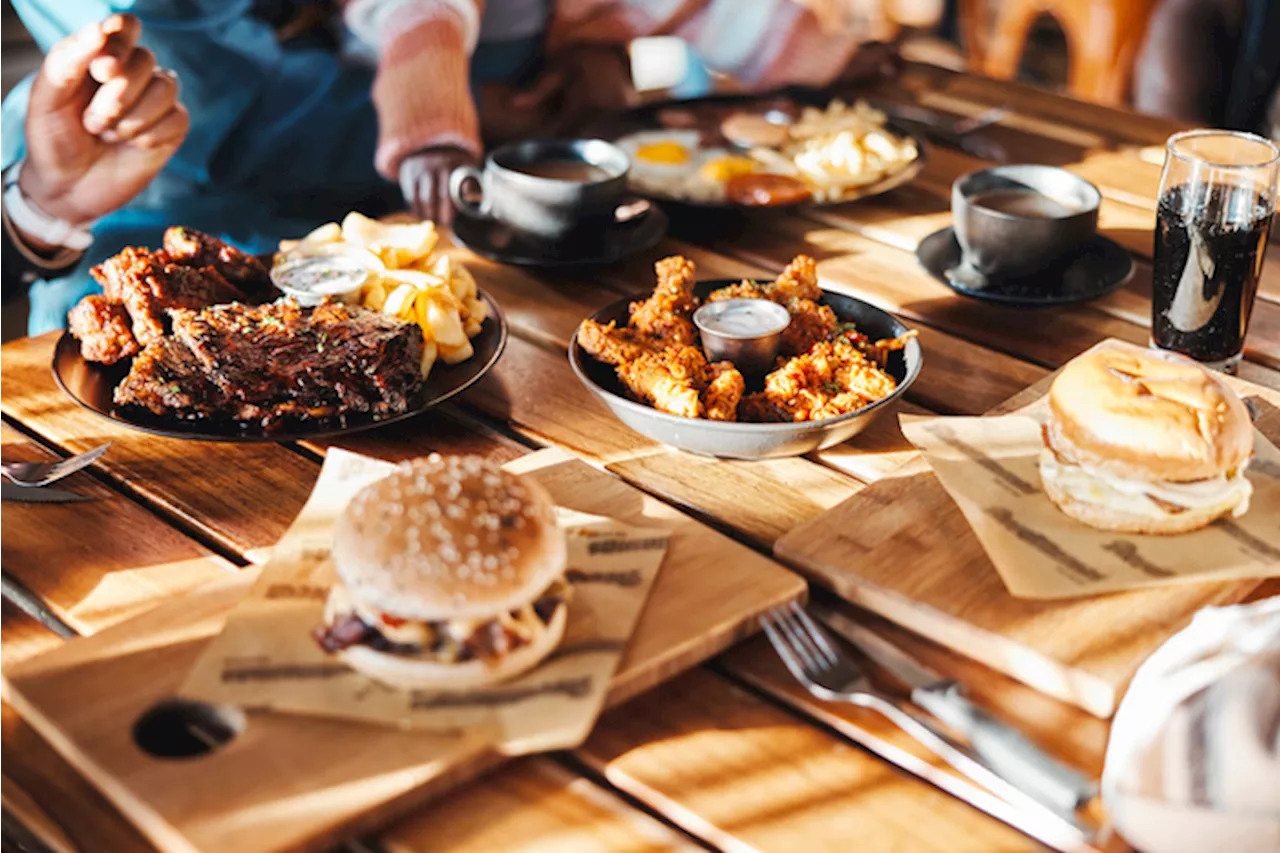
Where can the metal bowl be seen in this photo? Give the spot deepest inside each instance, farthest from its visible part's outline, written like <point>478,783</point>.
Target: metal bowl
<point>731,440</point>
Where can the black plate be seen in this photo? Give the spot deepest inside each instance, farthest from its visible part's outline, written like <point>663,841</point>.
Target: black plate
<point>93,386</point>
<point>497,242</point>
<point>1094,270</point>
<point>738,440</point>
<point>646,118</point>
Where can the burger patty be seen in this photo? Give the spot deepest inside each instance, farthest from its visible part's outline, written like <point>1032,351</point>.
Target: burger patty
<point>488,641</point>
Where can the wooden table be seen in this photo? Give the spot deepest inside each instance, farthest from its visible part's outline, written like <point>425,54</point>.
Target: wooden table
<point>728,756</point>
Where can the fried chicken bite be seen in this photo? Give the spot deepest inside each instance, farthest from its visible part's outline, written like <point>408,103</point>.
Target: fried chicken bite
<point>725,387</point>
<point>810,324</point>
<point>103,329</point>
<point>665,314</point>
<point>670,380</point>
<point>832,379</point>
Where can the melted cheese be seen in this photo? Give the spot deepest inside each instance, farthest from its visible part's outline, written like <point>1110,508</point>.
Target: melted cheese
<point>1134,496</point>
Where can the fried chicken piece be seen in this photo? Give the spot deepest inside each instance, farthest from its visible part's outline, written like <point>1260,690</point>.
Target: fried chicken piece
<point>190,248</point>
<point>798,281</point>
<point>611,345</point>
<point>103,329</point>
<point>832,379</point>
<point>670,380</point>
<point>665,314</point>
<point>147,286</point>
<point>724,390</point>
<point>810,324</point>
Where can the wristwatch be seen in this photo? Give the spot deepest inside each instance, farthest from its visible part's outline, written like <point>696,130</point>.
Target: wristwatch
<point>34,222</point>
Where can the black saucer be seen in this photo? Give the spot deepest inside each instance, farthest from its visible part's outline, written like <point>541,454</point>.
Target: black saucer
<point>497,242</point>
<point>1095,269</point>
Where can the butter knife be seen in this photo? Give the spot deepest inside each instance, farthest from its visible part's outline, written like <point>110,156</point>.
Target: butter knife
<point>1005,750</point>
<point>43,495</point>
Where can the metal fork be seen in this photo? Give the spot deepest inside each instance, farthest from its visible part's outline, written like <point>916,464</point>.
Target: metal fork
<point>34,474</point>
<point>831,675</point>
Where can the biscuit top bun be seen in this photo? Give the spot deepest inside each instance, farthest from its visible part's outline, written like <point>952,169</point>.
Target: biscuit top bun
<point>449,538</point>
<point>1148,416</point>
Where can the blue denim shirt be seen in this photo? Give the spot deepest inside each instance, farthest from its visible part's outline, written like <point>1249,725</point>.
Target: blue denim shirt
<point>282,134</point>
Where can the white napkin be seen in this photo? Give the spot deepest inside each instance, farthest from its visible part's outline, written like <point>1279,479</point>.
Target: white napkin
<point>1193,764</point>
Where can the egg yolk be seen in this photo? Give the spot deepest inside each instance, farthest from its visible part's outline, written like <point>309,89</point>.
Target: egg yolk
<point>667,153</point>
<point>723,168</point>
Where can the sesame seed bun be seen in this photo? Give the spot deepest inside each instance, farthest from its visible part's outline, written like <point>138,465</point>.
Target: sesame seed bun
<point>448,538</point>
<point>1144,415</point>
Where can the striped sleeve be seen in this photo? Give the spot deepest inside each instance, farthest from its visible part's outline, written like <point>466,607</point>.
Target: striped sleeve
<point>421,92</point>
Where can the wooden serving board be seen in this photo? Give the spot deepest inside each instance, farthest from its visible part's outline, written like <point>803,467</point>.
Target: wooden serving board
<point>287,782</point>
<point>901,548</point>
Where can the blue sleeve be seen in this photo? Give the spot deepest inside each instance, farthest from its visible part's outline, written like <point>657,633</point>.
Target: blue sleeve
<point>224,58</point>
<point>263,117</point>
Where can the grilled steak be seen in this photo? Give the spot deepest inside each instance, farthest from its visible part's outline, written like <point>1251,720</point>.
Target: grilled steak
<point>166,379</point>
<point>277,362</point>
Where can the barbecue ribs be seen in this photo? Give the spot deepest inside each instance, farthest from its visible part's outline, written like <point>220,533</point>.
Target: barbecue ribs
<point>277,363</point>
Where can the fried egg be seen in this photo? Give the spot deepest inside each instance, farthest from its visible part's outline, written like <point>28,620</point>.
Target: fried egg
<point>661,159</point>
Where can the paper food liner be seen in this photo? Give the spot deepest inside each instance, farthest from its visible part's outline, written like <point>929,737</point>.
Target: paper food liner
<point>266,659</point>
<point>990,467</point>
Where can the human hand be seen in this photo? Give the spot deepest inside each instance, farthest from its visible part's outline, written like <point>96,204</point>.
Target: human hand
<point>424,180</point>
<point>102,120</point>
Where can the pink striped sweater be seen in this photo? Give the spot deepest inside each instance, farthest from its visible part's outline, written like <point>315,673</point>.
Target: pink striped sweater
<point>421,91</point>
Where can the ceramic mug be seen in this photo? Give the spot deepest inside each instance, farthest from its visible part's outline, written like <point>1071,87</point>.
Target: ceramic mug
<point>546,189</point>
<point>1012,221</point>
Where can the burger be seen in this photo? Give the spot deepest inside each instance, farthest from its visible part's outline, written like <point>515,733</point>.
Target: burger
<point>450,576</point>
<point>1145,442</point>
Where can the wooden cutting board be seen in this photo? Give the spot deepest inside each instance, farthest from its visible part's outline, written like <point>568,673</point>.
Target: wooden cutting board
<point>902,549</point>
<point>285,782</point>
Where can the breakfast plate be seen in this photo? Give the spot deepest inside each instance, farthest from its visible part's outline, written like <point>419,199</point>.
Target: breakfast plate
<point>93,385</point>
<point>801,146</point>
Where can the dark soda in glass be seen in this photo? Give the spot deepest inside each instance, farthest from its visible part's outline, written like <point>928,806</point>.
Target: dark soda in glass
<point>1209,249</point>
<point>1217,195</point>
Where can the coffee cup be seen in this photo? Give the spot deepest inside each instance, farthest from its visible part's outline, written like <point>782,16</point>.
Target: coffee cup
<point>1012,221</point>
<point>549,190</point>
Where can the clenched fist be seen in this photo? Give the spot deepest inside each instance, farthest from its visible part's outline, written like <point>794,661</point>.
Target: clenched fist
<point>102,120</point>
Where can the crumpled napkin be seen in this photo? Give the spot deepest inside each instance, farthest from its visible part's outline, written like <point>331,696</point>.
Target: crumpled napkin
<point>1193,764</point>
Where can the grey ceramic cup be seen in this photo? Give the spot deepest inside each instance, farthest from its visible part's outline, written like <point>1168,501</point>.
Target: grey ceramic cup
<point>539,207</point>
<point>1000,244</point>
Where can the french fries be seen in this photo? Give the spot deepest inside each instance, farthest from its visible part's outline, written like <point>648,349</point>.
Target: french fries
<point>408,279</point>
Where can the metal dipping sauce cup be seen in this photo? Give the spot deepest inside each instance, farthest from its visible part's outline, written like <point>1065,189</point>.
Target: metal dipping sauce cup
<point>746,332</point>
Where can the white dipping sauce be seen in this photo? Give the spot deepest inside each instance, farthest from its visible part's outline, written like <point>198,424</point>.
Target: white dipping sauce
<point>310,279</point>
<point>743,318</point>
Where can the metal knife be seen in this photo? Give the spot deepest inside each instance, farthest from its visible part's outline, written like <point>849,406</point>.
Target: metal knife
<point>1006,750</point>
<point>43,494</point>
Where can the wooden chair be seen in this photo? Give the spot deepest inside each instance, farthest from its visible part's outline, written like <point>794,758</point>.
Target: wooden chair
<point>1103,37</point>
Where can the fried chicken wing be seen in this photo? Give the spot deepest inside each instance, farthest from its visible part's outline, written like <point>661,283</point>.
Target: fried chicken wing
<point>612,345</point>
<point>723,393</point>
<point>832,379</point>
<point>670,380</point>
<point>103,329</point>
<point>665,314</point>
<point>191,248</point>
